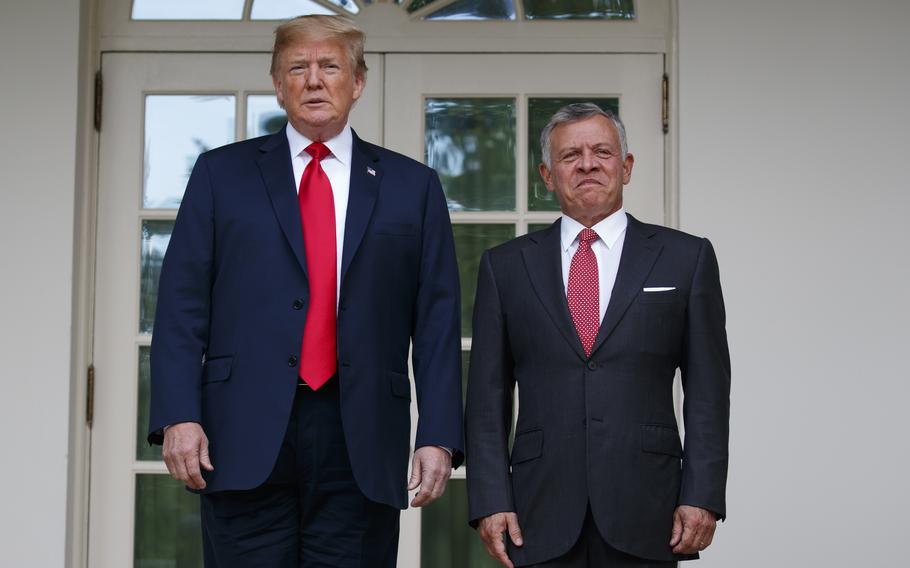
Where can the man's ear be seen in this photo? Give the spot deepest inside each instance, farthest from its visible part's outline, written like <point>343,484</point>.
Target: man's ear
<point>360,81</point>
<point>545,174</point>
<point>627,168</point>
<point>276,83</point>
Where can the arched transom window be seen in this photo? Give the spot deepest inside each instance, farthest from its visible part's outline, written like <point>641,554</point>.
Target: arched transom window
<point>417,9</point>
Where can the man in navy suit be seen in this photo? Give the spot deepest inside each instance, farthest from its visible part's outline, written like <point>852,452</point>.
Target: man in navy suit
<point>301,268</point>
<point>591,318</point>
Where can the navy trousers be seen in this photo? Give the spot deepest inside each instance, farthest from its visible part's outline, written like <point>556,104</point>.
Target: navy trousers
<point>309,512</point>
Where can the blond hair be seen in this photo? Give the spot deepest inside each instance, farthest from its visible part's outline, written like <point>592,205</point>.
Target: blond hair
<point>321,27</point>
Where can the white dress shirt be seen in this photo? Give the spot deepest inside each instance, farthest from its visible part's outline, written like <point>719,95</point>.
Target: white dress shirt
<point>337,166</point>
<point>611,233</point>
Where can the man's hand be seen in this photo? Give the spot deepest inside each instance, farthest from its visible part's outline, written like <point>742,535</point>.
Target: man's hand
<point>186,448</point>
<point>491,529</point>
<point>693,529</point>
<point>430,469</point>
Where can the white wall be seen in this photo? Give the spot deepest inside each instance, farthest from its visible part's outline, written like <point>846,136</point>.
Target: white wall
<point>794,156</point>
<point>38,63</point>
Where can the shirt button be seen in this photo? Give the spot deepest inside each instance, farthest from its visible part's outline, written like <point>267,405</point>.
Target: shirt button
<point>292,361</point>
<point>592,365</point>
<point>298,304</point>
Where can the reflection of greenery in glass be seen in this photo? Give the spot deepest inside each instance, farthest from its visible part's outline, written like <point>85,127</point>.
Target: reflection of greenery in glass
<point>263,115</point>
<point>143,450</point>
<point>471,143</point>
<point>580,9</point>
<point>470,242</point>
<point>537,226</point>
<point>177,129</point>
<point>155,237</point>
<point>446,540</point>
<point>418,4</point>
<point>540,110</point>
<point>475,10</point>
<point>168,533</point>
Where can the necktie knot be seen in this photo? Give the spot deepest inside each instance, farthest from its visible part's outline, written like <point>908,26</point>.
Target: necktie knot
<point>318,150</point>
<point>587,236</point>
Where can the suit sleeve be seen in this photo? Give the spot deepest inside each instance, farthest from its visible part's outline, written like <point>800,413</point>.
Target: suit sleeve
<point>706,387</point>
<point>181,330</point>
<point>437,331</point>
<point>488,416</point>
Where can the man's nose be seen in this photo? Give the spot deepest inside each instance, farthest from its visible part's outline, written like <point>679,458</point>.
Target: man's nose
<point>313,77</point>
<point>586,162</point>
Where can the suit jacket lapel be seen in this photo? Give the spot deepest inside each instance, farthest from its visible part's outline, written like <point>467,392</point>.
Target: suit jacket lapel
<point>544,265</point>
<point>365,177</point>
<point>639,253</point>
<point>275,165</point>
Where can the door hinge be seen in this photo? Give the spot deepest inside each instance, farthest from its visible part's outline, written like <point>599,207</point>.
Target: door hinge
<point>99,95</point>
<point>665,103</point>
<point>90,397</point>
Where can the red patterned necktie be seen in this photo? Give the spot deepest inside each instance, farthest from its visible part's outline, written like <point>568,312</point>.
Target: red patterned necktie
<point>318,355</point>
<point>584,291</point>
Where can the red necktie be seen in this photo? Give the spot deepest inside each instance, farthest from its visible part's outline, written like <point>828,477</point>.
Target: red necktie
<point>318,355</point>
<point>584,291</point>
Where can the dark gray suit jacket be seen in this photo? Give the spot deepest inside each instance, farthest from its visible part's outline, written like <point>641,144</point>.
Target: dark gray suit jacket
<point>599,429</point>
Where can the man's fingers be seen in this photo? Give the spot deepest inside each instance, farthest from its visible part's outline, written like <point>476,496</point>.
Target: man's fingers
<point>705,534</point>
<point>492,532</point>
<point>415,474</point>
<point>186,449</point>
<point>498,551</point>
<point>697,533</point>
<point>193,473</point>
<point>204,459</point>
<point>514,529</point>
<point>687,540</point>
<point>676,535</point>
<point>430,470</point>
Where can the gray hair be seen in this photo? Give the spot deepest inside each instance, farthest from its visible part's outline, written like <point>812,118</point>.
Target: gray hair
<point>573,113</point>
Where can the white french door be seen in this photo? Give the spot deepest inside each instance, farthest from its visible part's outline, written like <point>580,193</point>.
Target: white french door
<point>475,118</point>
<point>160,111</point>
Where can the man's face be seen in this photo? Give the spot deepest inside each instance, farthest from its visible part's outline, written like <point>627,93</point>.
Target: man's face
<point>587,170</point>
<point>316,85</point>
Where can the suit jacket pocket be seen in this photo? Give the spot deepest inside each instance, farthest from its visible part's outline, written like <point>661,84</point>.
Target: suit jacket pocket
<point>659,439</point>
<point>396,229</point>
<point>217,370</point>
<point>658,297</point>
<point>528,446</point>
<point>400,383</point>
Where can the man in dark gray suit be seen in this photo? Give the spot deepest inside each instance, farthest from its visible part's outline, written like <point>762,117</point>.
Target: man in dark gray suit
<point>591,318</point>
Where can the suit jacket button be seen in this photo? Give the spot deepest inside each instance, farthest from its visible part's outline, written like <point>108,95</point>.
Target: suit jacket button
<point>292,361</point>
<point>298,304</point>
<point>592,365</point>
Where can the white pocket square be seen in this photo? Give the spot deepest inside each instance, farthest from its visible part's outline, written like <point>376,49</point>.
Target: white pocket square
<point>659,289</point>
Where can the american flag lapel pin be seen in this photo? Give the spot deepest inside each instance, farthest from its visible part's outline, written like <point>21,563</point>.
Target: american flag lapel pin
<point>371,171</point>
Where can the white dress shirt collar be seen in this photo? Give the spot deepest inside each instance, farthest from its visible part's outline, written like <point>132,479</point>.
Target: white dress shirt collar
<point>608,230</point>
<point>341,145</point>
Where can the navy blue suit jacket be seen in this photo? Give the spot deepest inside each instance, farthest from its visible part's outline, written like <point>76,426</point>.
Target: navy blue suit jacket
<point>232,305</point>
